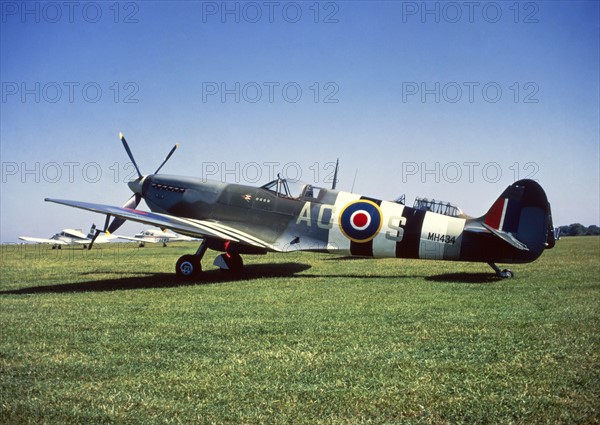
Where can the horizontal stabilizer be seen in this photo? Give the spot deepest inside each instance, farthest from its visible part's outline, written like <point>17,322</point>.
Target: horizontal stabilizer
<point>507,237</point>
<point>479,227</point>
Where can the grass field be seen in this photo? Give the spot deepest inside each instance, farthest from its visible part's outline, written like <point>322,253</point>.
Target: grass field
<point>110,336</point>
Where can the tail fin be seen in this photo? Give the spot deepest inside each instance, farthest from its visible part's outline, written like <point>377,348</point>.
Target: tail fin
<point>522,214</point>
<point>92,232</point>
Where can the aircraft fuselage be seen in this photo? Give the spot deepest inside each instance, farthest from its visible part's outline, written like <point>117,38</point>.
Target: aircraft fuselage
<point>329,221</point>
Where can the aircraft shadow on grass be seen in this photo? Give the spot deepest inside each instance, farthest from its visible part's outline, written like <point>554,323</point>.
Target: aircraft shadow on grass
<point>251,272</point>
<point>461,277</point>
<point>469,278</point>
<point>166,280</point>
<point>475,278</point>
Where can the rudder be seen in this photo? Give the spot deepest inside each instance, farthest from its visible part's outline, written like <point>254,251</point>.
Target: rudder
<point>92,232</point>
<point>523,211</point>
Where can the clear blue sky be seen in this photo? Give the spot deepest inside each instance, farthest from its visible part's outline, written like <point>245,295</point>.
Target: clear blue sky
<point>440,100</point>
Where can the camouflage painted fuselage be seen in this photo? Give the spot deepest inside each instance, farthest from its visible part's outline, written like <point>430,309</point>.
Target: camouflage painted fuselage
<point>346,223</point>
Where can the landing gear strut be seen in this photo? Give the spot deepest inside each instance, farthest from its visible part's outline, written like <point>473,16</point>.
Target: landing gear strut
<point>190,265</point>
<point>504,274</point>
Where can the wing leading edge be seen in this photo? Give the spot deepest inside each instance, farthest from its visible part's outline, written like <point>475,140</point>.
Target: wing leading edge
<point>190,227</point>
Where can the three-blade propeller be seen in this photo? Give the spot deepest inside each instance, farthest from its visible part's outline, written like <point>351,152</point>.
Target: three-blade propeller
<point>135,199</point>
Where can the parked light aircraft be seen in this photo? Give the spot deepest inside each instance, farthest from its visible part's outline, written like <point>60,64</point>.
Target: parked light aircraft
<point>286,216</point>
<point>157,236</point>
<point>71,237</point>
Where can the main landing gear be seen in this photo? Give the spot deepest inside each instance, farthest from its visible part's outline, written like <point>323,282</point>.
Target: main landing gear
<point>504,274</point>
<point>190,265</point>
<point>231,263</point>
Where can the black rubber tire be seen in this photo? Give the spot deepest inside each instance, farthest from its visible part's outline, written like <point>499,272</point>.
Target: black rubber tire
<point>234,262</point>
<point>188,266</point>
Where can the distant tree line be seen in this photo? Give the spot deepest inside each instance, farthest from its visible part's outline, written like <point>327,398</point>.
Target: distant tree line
<point>577,229</point>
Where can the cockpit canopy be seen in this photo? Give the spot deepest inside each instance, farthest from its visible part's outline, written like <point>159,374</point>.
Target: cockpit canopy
<point>292,189</point>
<point>439,207</point>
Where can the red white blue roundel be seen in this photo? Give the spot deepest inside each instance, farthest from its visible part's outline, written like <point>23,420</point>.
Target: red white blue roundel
<point>360,221</point>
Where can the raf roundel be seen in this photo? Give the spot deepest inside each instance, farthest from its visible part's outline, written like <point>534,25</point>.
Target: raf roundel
<point>360,221</point>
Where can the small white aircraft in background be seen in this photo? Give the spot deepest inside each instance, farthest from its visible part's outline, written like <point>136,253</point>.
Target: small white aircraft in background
<point>71,237</point>
<point>157,236</point>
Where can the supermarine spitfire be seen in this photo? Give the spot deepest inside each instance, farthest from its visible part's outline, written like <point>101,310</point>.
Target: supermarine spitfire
<point>285,216</point>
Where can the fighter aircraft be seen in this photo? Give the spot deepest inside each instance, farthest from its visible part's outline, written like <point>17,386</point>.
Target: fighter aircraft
<point>284,216</point>
<point>157,236</point>
<point>70,237</point>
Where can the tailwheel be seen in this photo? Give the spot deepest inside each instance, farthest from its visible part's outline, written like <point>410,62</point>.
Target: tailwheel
<point>504,274</point>
<point>188,266</point>
<point>231,263</point>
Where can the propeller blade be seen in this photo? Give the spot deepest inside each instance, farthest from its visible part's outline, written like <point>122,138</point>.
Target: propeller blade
<point>133,201</point>
<point>93,239</point>
<point>134,185</point>
<point>126,146</point>
<point>118,222</point>
<point>98,231</point>
<point>167,158</point>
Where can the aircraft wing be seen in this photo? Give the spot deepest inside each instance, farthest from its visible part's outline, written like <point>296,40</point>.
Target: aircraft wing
<point>100,239</point>
<point>42,240</point>
<point>131,238</point>
<point>74,233</point>
<point>160,239</point>
<point>190,227</point>
<point>182,238</point>
<point>148,240</point>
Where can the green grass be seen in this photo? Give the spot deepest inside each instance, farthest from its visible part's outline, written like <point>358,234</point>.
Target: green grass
<point>110,336</point>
